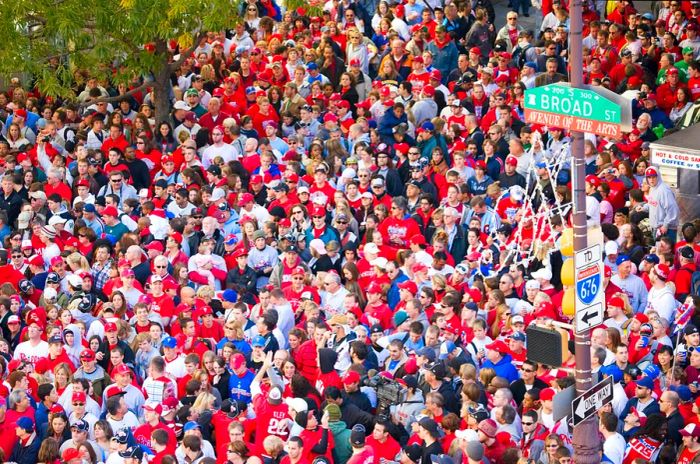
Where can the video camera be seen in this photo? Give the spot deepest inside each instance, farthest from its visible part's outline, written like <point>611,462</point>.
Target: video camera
<point>389,392</point>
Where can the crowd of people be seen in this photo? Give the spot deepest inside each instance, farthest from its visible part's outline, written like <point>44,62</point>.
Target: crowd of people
<point>330,251</point>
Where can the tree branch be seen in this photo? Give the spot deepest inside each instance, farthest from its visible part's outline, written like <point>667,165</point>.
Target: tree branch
<point>183,55</point>
<point>131,92</point>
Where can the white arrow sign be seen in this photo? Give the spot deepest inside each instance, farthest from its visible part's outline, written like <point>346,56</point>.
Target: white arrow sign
<point>588,317</point>
<point>587,404</point>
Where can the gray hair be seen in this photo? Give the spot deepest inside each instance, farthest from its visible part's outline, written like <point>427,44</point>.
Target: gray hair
<point>15,397</point>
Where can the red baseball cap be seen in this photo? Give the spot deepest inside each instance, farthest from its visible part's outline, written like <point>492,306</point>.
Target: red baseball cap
<point>80,397</point>
<point>351,377</point>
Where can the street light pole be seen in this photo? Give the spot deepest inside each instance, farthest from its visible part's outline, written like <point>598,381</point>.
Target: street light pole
<point>585,440</point>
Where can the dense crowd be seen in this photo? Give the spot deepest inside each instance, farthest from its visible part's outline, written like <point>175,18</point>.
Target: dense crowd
<point>331,248</point>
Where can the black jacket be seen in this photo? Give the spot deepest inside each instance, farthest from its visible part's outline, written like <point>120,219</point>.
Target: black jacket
<point>26,454</point>
<point>243,283</point>
<point>518,389</point>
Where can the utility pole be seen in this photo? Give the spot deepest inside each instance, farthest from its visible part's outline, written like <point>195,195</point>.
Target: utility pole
<point>585,440</point>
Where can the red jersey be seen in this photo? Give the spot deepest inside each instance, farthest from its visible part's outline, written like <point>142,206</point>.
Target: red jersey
<point>269,420</point>
<point>163,305</point>
<point>380,314</point>
<point>143,432</point>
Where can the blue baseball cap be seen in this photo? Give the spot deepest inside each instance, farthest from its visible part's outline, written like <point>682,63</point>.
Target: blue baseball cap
<point>191,425</point>
<point>312,66</point>
<point>25,423</point>
<point>427,125</point>
<point>259,340</point>
<point>645,382</point>
<point>169,342</point>
<point>653,259</point>
<point>446,348</point>
<point>622,259</point>
<point>89,208</point>
<point>613,371</point>
<point>230,295</point>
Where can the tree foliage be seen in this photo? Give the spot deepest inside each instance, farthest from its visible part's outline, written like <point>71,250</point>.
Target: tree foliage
<point>57,42</point>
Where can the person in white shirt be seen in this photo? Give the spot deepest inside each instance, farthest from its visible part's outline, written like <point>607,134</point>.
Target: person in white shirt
<point>218,148</point>
<point>661,298</point>
<point>614,444</point>
<point>118,414</point>
<point>174,361</point>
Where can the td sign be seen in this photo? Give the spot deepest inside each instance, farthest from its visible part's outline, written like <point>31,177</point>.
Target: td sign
<point>592,109</point>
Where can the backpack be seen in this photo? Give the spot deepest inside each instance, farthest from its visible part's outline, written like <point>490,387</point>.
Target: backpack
<point>695,283</point>
<point>520,55</point>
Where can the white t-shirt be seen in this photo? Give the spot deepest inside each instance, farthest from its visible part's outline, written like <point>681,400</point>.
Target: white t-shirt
<point>176,367</point>
<point>225,151</point>
<point>26,352</point>
<point>614,448</point>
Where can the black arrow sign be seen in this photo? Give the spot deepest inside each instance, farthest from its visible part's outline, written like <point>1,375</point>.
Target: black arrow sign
<point>588,316</point>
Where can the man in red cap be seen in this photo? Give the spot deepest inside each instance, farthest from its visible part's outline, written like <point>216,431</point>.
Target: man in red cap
<point>122,387</point>
<point>616,313</point>
<point>112,342</point>
<point>93,372</point>
<point>376,311</point>
<point>661,298</point>
<point>152,411</point>
<point>34,348</point>
<point>498,359</point>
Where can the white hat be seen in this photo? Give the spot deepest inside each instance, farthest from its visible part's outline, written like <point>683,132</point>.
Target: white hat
<point>532,284</point>
<point>143,193</point>
<point>298,404</point>
<point>468,435</point>
<point>181,105</point>
<point>217,194</point>
<point>318,245</point>
<point>75,280</point>
<point>544,274</point>
<point>56,219</point>
<point>380,262</point>
<point>611,247</point>
<point>49,293</point>
<point>349,173</point>
<point>302,189</point>
<point>371,248</point>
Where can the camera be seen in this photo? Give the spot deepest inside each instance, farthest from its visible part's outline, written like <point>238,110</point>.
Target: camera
<point>389,393</point>
<point>46,139</point>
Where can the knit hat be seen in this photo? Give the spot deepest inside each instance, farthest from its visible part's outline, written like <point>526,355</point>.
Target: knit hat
<point>357,435</point>
<point>475,450</point>
<point>333,411</point>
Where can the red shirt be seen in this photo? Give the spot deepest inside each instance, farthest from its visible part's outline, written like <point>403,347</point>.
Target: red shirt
<point>387,450</point>
<point>366,456</point>
<point>62,189</point>
<point>269,420</point>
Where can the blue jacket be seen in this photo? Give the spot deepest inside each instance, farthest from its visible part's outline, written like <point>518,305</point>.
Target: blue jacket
<point>393,294</point>
<point>445,58</point>
<point>504,368</point>
<point>239,387</point>
<point>387,123</point>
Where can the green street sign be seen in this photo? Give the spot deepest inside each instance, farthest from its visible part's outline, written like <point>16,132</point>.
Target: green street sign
<point>591,109</point>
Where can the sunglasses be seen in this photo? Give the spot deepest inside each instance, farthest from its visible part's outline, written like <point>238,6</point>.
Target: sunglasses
<point>78,404</point>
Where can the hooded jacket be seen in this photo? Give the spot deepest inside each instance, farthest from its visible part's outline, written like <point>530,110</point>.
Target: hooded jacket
<point>328,376</point>
<point>504,368</point>
<point>662,301</point>
<point>341,435</point>
<point>663,208</point>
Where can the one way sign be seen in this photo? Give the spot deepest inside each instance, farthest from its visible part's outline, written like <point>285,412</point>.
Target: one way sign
<point>587,404</point>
